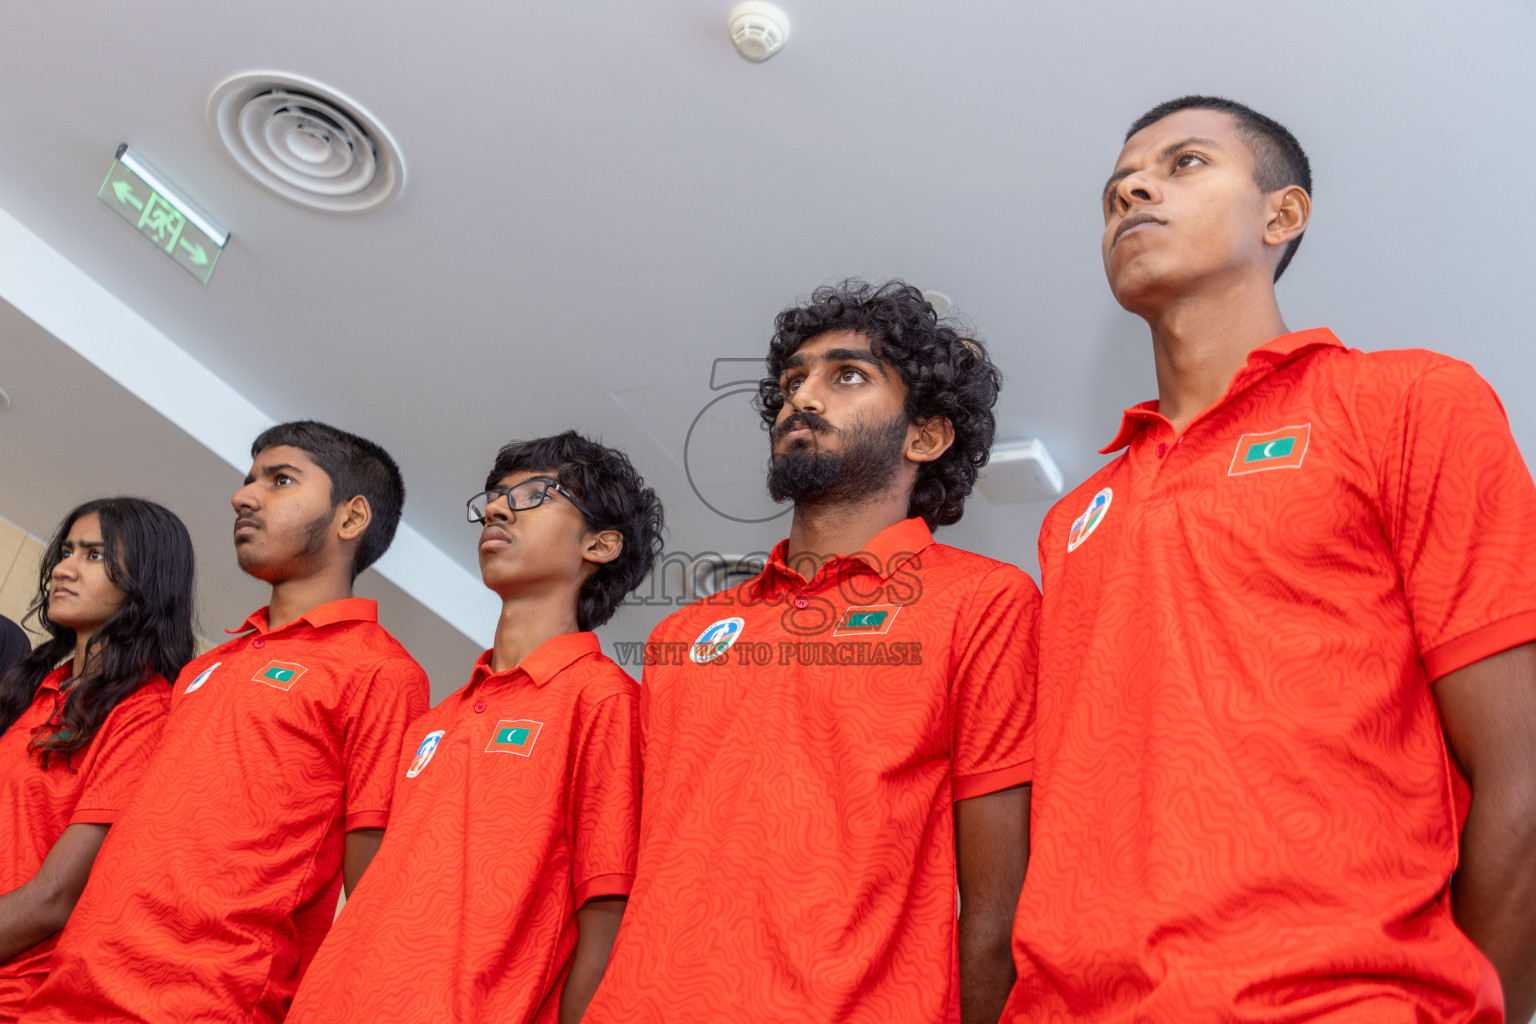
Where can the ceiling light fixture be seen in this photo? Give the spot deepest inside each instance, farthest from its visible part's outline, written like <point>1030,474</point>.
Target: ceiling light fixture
<point>307,142</point>
<point>1019,471</point>
<point>758,29</point>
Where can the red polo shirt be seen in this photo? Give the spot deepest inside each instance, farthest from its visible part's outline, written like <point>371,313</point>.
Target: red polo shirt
<point>1243,807</point>
<point>517,799</point>
<point>805,741</point>
<point>214,890</point>
<point>91,787</point>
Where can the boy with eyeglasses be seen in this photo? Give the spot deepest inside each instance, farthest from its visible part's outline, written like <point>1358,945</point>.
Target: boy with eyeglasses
<point>511,849</point>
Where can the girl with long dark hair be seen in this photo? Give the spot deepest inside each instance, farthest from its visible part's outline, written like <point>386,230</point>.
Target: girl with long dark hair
<point>81,715</point>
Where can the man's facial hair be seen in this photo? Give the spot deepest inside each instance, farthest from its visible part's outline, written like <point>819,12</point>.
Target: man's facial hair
<point>871,456</point>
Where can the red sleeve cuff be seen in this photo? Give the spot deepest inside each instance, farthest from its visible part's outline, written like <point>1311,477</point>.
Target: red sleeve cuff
<point>367,819</point>
<point>93,816</point>
<point>1479,644</point>
<point>604,885</point>
<point>967,786</point>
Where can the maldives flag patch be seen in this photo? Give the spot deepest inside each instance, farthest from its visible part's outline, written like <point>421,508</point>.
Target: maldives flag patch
<point>514,737</point>
<point>869,618</point>
<point>281,674</point>
<point>1278,449</point>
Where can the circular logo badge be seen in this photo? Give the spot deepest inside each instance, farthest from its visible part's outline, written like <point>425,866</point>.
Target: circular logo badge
<point>424,753</point>
<point>201,678</point>
<point>1090,519</point>
<point>715,640</point>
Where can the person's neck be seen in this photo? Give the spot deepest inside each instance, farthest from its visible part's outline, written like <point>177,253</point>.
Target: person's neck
<point>82,645</point>
<point>1200,341</point>
<point>528,621</point>
<point>821,532</point>
<point>292,599</point>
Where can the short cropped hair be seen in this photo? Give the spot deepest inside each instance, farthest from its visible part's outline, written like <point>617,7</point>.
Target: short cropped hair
<point>356,466</point>
<point>605,481</point>
<point>1278,159</point>
<point>947,373</point>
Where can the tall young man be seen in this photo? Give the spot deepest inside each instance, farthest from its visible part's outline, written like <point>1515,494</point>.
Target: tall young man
<point>511,848</point>
<point>273,781</point>
<point>1282,634</point>
<point>832,745</point>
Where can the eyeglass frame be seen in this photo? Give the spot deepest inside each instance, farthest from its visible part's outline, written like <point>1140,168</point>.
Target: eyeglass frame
<point>506,492</point>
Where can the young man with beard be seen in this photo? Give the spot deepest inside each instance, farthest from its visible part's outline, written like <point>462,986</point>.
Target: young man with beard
<point>499,889</point>
<point>1287,654</point>
<point>273,781</point>
<point>842,740</point>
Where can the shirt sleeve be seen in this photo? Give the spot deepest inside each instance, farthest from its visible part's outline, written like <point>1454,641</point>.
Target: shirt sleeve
<point>993,689</point>
<point>394,697</point>
<point>122,751</point>
<point>605,799</point>
<point>1460,511</point>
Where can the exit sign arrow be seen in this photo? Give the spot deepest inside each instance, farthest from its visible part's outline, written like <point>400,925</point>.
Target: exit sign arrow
<point>195,253</point>
<point>125,194</point>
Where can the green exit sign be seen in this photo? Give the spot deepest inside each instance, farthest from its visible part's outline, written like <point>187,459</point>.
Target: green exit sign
<point>140,195</point>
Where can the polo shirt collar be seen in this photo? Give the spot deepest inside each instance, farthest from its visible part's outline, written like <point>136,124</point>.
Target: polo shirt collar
<point>884,554</point>
<point>347,609</point>
<point>545,661</point>
<point>1262,361</point>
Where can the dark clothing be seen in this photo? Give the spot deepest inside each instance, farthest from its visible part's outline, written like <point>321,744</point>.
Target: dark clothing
<point>14,644</point>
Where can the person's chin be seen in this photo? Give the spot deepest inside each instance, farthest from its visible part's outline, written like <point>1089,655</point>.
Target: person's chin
<point>500,582</point>
<point>253,565</point>
<point>1139,288</point>
<point>63,619</point>
<point>801,476</point>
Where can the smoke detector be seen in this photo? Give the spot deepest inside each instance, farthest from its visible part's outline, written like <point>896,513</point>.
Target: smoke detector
<point>306,142</point>
<point>939,301</point>
<point>758,29</point>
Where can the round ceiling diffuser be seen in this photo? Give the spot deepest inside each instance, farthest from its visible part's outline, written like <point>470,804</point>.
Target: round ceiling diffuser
<point>306,142</point>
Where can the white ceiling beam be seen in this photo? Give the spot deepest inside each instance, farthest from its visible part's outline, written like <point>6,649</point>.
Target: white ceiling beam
<point>80,313</point>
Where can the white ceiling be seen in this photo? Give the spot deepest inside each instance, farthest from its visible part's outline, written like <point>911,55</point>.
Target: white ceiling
<point>603,200</point>
<point>73,434</point>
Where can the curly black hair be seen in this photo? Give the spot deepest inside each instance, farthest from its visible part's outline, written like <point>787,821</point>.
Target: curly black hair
<point>946,373</point>
<point>604,480</point>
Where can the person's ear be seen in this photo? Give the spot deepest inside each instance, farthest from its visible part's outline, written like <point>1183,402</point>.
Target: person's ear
<point>354,517</point>
<point>929,439</point>
<point>1289,211</point>
<point>601,547</point>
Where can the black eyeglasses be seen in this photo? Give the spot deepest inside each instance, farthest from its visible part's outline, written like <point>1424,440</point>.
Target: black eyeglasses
<point>520,498</point>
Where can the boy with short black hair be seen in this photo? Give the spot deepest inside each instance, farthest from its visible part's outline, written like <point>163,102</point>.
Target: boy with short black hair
<point>272,784</point>
<point>512,841</point>
<point>1287,720</point>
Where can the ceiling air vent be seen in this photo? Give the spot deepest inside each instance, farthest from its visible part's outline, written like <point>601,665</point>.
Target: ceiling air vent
<point>306,142</point>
